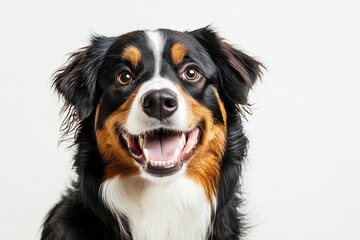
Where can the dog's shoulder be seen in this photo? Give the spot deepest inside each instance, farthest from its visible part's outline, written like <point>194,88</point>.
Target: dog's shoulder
<point>70,219</point>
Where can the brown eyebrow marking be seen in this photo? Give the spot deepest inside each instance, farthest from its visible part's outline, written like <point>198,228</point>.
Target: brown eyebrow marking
<point>133,55</point>
<point>178,53</point>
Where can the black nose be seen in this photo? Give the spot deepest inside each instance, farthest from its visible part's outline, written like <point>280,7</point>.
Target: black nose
<point>159,104</point>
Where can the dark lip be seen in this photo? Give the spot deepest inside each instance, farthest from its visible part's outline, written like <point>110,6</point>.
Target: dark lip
<point>160,171</point>
<point>163,172</point>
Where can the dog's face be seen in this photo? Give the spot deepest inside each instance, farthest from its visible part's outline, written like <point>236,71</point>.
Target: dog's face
<point>159,105</point>
<point>158,101</point>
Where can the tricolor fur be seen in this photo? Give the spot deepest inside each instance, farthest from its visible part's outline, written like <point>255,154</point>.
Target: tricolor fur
<point>159,138</point>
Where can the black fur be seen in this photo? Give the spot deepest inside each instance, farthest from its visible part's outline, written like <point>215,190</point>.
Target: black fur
<point>81,213</point>
<point>238,71</point>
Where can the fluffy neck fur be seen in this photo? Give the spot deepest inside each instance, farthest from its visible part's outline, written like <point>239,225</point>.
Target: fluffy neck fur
<point>177,209</point>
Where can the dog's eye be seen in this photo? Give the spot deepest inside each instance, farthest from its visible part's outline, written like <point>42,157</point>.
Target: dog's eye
<point>124,78</point>
<point>191,74</point>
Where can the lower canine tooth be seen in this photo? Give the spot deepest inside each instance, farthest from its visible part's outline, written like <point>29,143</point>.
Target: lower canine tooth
<point>176,155</point>
<point>146,153</point>
<point>141,142</point>
<point>182,140</point>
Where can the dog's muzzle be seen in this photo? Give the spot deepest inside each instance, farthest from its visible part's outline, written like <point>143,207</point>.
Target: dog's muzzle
<point>162,148</point>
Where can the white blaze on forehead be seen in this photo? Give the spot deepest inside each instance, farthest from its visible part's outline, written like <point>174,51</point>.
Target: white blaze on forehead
<point>138,122</point>
<point>156,43</point>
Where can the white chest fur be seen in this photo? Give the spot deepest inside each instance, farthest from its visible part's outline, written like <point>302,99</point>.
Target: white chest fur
<point>173,210</point>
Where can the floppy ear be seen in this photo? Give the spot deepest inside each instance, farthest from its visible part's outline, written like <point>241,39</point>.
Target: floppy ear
<point>238,71</point>
<point>76,81</point>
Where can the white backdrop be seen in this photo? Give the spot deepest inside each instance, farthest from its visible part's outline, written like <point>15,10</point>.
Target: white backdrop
<point>302,176</point>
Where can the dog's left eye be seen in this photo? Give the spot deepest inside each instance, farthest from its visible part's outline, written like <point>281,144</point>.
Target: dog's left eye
<point>124,78</point>
<point>191,74</point>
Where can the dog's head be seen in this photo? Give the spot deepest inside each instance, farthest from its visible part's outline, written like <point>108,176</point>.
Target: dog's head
<point>158,101</point>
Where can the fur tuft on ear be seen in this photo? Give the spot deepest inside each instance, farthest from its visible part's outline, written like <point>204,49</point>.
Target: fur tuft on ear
<point>76,81</point>
<point>238,71</point>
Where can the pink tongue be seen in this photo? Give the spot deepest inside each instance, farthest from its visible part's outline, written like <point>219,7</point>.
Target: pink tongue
<point>160,147</point>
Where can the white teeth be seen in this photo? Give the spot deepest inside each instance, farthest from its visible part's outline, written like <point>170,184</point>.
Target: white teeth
<point>141,142</point>
<point>176,155</point>
<point>146,153</point>
<point>167,164</point>
<point>182,140</point>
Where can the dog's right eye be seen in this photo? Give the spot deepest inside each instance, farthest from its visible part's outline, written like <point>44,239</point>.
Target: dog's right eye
<point>124,78</point>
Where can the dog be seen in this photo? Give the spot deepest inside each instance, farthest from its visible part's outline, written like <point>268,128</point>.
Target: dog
<point>157,125</point>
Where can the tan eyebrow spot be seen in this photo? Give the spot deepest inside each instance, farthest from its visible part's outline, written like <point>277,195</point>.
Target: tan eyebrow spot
<point>178,53</point>
<point>133,55</point>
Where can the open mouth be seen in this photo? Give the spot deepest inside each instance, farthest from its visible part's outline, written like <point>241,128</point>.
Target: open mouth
<point>162,152</point>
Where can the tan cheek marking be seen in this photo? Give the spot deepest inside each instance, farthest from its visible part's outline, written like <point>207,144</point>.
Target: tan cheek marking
<point>221,105</point>
<point>204,166</point>
<point>178,53</point>
<point>116,156</point>
<point>133,55</point>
